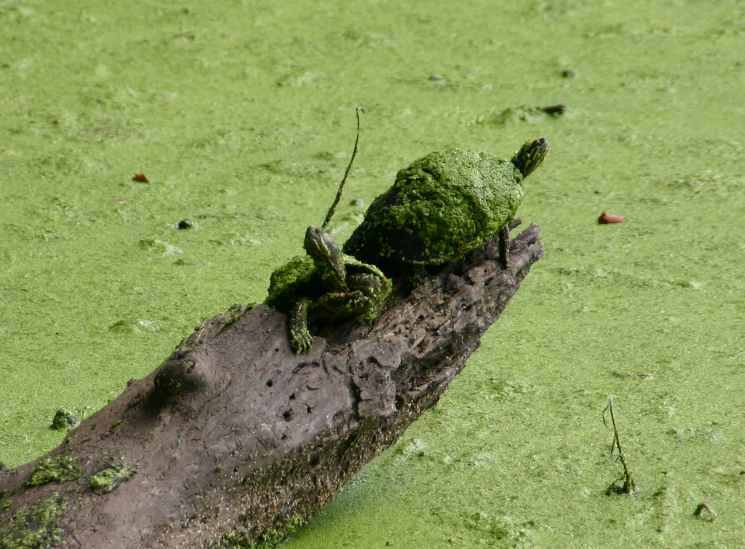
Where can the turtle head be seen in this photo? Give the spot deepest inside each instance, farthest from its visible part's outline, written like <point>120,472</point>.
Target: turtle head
<point>530,156</point>
<point>324,249</point>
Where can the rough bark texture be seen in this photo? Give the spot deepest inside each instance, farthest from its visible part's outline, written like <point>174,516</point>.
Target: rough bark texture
<point>234,438</point>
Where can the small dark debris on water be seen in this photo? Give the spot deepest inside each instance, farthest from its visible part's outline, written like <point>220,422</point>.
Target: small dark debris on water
<point>64,420</point>
<point>554,110</point>
<point>140,177</point>
<point>524,115</point>
<point>187,224</point>
<point>606,218</point>
<point>569,73</point>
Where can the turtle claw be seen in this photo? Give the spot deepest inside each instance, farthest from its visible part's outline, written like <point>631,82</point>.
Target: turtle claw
<point>301,343</point>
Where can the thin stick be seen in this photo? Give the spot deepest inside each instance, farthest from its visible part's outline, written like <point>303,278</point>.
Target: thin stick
<point>629,486</point>
<point>332,209</point>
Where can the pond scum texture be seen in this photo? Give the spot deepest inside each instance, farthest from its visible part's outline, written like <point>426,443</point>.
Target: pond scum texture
<point>241,117</point>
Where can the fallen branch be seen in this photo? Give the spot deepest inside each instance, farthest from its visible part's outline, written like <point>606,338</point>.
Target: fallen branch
<point>234,438</point>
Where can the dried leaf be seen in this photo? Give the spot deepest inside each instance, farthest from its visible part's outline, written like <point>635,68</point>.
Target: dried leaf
<point>609,218</point>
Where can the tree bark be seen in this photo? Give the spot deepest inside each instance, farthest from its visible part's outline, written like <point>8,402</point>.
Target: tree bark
<point>234,439</point>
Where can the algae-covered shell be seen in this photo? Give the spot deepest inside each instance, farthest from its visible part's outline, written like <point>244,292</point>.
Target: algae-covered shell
<point>442,206</point>
<point>295,279</point>
<point>299,278</point>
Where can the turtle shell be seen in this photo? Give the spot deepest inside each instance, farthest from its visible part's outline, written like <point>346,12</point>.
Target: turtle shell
<point>440,207</point>
<point>295,279</point>
<point>300,278</point>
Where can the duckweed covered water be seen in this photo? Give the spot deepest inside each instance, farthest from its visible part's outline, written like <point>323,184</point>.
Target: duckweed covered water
<point>241,115</point>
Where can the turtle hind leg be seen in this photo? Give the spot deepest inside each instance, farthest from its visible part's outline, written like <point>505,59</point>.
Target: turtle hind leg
<point>412,278</point>
<point>504,247</point>
<point>300,339</point>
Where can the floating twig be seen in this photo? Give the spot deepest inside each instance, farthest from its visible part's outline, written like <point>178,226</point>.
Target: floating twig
<point>332,209</point>
<point>629,486</point>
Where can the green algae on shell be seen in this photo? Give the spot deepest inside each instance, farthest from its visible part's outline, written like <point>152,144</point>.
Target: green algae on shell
<point>325,285</point>
<point>443,205</point>
<point>295,279</point>
<point>299,278</point>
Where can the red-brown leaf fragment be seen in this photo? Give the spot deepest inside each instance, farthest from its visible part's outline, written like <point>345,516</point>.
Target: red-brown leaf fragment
<point>609,218</point>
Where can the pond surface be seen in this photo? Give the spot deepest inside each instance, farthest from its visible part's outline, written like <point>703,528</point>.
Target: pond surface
<point>241,116</point>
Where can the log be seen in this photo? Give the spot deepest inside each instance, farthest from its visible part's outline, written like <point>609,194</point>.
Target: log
<point>235,440</point>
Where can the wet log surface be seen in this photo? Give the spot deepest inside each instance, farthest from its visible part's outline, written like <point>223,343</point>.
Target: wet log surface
<point>234,438</point>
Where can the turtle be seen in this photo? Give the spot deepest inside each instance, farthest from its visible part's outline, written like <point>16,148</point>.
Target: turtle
<point>444,205</point>
<point>324,285</point>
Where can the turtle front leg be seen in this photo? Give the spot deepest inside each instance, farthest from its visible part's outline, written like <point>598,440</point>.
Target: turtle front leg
<point>300,339</point>
<point>504,247</point>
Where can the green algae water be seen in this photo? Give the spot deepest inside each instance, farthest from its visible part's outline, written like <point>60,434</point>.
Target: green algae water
<point>241,115</point>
